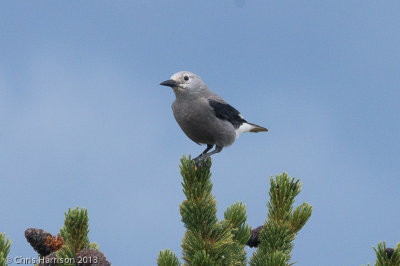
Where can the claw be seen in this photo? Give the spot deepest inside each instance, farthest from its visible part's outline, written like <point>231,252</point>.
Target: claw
<point>201,160</point>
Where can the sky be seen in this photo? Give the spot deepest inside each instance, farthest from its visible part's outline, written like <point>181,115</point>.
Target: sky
<point>84,122</point>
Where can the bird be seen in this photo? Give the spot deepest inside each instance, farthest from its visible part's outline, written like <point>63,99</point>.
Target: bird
<point>204,116</point>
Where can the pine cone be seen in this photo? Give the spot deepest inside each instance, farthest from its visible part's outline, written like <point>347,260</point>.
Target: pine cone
<point>253,241</point>
<point>389,252</point>
<point>43,242</point>
<point>91,257</point>
<point>37,238</point>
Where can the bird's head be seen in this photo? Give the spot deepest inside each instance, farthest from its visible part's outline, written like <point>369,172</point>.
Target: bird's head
<point>185,83</point>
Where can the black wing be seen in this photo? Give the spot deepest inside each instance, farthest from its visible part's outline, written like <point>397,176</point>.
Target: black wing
<point>225,111</point>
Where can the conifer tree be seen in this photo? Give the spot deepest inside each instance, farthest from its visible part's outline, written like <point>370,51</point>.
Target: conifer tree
<point>5,245</point>
<point>208,241</point>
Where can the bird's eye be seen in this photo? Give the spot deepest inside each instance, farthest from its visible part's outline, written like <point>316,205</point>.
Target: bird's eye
<point>186,78</point>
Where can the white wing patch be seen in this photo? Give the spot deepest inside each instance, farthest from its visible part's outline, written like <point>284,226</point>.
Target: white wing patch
<point>243,129</point>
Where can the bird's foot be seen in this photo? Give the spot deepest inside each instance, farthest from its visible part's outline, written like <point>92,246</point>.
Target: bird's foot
<point>201,160</point>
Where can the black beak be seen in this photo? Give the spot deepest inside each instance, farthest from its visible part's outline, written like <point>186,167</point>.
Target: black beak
<point>169,83</point>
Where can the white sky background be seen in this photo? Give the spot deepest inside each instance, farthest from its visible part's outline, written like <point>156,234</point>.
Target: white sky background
<point>85,123</point>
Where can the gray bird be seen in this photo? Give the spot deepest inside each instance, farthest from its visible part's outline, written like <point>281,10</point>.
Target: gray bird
<point>204,116</point>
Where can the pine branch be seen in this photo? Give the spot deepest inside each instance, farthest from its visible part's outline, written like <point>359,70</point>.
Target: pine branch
<point>235,218</point>
<point>275,239</point>
<point>208,241</point>
<point>71,246</point>
<point>387,256</point>
<point>275,259</point>
<point>74,232</point>
<point>300,216</point>
<point>199,215</point>
<point>5,245</point>
<point>168,258</point>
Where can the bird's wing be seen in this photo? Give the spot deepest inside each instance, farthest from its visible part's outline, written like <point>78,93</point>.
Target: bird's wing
<point>225,111</point>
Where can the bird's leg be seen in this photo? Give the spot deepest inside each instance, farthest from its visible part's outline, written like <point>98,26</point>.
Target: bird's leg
<point>209,147</point>
<point>204,156</point>
<point>216,150</point>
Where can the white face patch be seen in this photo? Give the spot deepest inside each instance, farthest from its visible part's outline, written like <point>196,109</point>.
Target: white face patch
<point>179,76</point>
<point>176,77</point>
<point>243,129</point>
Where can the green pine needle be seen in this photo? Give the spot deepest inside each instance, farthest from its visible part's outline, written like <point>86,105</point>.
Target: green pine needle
<point>75,233</point>
<point>5,245</point>
<point>382,255</point>
<point>279,231</point>
<point>208,241</point>
<point>167,258</point>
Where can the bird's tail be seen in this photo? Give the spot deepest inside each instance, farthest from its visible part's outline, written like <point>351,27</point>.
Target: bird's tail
<point>256,128</point>
<point>249,127</point>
